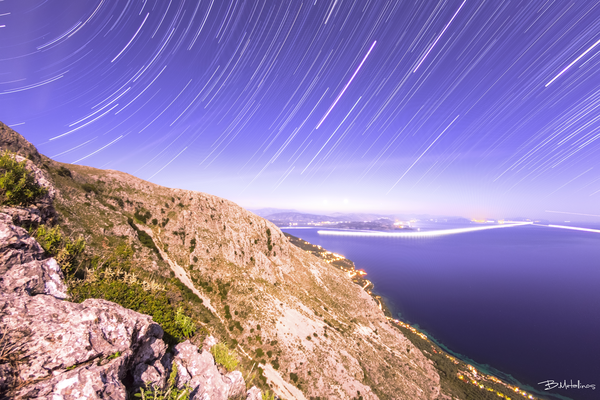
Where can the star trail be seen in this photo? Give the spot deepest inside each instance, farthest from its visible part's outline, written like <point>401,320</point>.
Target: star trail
<point>473,108</point>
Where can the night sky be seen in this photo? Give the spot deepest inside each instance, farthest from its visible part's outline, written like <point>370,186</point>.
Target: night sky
<point>472,108</point>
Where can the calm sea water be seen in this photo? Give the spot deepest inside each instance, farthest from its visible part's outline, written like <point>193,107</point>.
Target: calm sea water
<point>523,300</point>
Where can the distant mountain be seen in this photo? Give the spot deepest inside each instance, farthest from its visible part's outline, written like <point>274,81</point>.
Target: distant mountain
<point>264,212</point>
<point>286,217</point>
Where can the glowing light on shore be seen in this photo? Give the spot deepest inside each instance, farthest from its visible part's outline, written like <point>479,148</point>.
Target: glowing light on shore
<point>440,232</point>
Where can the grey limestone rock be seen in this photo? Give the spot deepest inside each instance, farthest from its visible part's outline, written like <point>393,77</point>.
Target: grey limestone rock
<point>254,393</point>
<point>22,269</point>
<point>199,371</point>
<point>78,349</point>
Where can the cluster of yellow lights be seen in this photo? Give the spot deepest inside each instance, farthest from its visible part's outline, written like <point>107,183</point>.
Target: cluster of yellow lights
<point>493,379</point>
<point>410,328</point>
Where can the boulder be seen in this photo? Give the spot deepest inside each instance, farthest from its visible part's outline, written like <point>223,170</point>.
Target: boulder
<point>254,393</point>
<point>197,369</point>
<point>81,350</point>
<point>22,269</point>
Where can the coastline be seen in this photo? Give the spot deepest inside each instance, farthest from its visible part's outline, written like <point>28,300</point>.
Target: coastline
<point>460,377</point>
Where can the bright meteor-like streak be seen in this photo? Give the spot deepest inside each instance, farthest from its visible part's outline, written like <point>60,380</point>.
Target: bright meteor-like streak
<point>440,232</point>
<point>438,38</point>
<point>570,65</point>
<point>347,84</point>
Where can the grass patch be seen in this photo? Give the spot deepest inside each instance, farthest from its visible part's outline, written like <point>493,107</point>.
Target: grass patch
<point>224,356</point>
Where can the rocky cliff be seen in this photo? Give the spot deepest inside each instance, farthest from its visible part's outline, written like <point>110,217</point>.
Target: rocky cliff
<point>301,328</point>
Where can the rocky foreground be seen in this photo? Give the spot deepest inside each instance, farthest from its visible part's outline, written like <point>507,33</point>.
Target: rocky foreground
<point>53,348</point>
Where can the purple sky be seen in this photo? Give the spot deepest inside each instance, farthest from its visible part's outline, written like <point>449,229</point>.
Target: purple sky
<point>480,109</point>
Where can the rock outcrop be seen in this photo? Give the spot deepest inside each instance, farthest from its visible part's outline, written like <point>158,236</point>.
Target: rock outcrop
<point>12,141</point>
<point>198,370</point>
<point>52,348</point>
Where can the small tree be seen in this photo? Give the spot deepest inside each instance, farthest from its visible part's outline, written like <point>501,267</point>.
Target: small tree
<point>17,184</point>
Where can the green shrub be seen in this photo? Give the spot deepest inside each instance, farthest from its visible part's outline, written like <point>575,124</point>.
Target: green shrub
<point>67,252</point>
<point>224,356</point>
<point>17,184</point>
<point>63,171</point>
<point>294,377</point>
<point>89,187</point>
<point>185,323</point>
<point>141,216</point>
<point>119,201</point>
<point>269,243</point>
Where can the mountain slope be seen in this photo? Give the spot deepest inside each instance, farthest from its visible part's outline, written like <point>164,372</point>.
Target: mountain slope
<point>316,334</point>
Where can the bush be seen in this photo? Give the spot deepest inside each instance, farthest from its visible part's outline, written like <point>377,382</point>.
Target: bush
<point>269,243</point>
<point>141,216</point>
<point>17,184</point>
<point>62,171</point>
<point>224,356</point>
<point>185,323</point>
<point>66,251</point>
<point>90,187</point>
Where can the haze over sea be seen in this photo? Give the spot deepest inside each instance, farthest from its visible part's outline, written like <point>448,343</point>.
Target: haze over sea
<point>523,299</point>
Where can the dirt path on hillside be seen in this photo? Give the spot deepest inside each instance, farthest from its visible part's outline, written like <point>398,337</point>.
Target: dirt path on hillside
<point>181,273</point>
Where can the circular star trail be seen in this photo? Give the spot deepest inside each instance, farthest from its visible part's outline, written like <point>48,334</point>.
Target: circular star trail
<point>453,107</point>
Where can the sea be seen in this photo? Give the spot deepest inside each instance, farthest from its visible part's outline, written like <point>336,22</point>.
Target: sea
<point>521,302</point>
